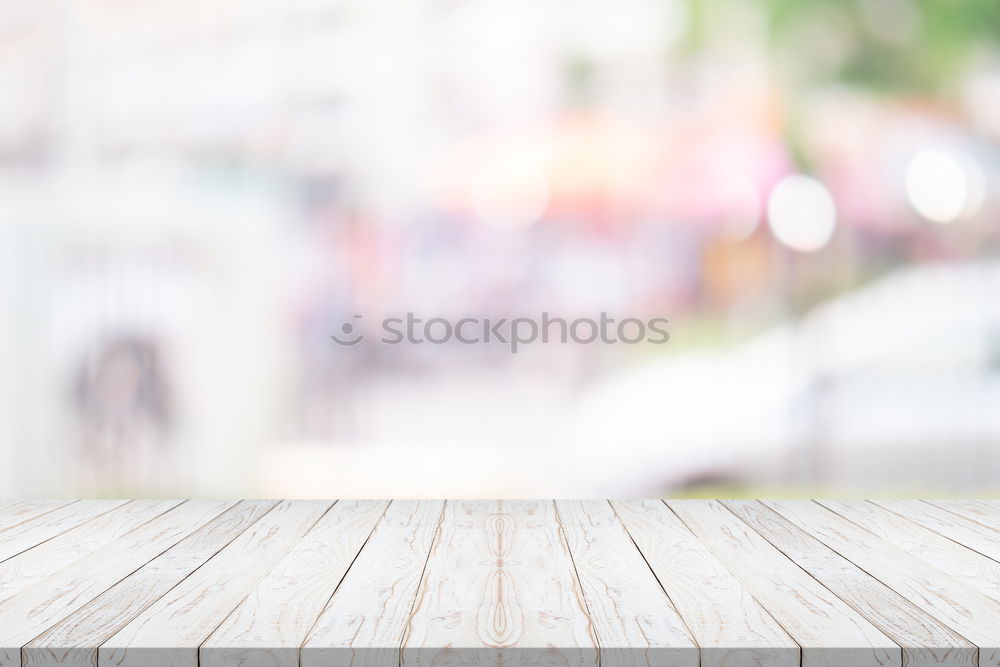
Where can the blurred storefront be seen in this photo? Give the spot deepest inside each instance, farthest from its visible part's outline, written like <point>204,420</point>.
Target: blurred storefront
<point>194,196</point>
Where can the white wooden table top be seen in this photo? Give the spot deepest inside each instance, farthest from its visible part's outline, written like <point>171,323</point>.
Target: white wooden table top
<point>677,583</point>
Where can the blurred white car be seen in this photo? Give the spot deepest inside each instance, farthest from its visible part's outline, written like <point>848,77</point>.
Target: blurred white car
<point>894,386</point>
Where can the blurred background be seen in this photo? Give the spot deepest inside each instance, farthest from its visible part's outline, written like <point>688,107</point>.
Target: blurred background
<point>195,195</point>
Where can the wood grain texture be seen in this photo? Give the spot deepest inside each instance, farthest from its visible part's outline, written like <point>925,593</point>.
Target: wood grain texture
<point>271,624</point>
<point>730,627</point>
<point>986,512</point>
<point>169,632</point>
<point>40,606</point>
<point>973,534</point>
<point>364,623</point>
<point>830,632</point>
<point>458,583</point>
<point>33,565</point>
<point>500,589</point>
<point>963,609</point>
<point>635,624</point>
<point>966,565</point>
<point>13,512</point>
<point>32,532</point>
<point>925,641</point>
<point>74,640</point>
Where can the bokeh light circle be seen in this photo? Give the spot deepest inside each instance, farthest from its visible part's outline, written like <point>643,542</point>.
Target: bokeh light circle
<point>801,213</point>
<point>510,195</point>
<point>943,186</point>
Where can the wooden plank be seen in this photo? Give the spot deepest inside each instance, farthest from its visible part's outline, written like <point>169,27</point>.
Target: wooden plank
<point>925,641</point>
<point>364,623</point>
<point>829,631</point>
<point>974,535</point>
<point>14,512</point>
<point>963,609</point>
<point>39,607</point>
<point>271,624</point>
<point>727,623</point>
<point>986,512</point>
<point>966,565</point>
<point>33,565</point>
<point>169,632</point>
<point>717,584</point>
<point>634,621</point>
<point>499,589</point>
<point>74,640</point>
<point>31,533</point>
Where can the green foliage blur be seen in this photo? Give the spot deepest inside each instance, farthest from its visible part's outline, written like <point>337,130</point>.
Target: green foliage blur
<point>944,36</point>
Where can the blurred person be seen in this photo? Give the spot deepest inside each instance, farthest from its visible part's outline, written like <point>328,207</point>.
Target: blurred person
<point>125,409</point>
